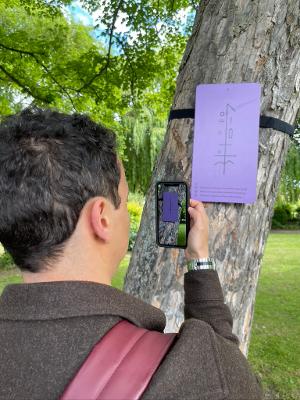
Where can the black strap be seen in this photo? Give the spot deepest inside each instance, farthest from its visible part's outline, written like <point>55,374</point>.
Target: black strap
<point>277,124</point>
<point>183,113</point>
<point>264,122</point>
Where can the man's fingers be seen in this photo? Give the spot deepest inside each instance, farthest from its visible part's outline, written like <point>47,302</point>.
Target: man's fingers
<point>197,207</point>
<point>193,213</point>
<point>197,204</point>
<point>197,217</point>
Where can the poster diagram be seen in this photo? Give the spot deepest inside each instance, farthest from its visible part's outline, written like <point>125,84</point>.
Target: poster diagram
<point>225,132</point>
<point>225,148</point>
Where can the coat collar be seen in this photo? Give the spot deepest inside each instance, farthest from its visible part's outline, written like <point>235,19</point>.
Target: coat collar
<point>64,299</point>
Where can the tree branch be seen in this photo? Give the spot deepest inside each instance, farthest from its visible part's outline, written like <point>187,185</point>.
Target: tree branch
<point>33,55</point>
<point>23,86</point>
<point>111,31</point>
<point>29,53</point>
<point>130,66</point>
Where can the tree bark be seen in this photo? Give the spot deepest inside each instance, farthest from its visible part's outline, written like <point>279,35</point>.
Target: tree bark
<point>231,41</point>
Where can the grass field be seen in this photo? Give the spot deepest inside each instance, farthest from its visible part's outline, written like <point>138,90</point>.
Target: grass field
<point>274,350</point>
<point>275,340</point>
<point>181,238</point>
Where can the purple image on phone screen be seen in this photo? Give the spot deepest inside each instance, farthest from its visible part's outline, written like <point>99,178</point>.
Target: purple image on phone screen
<point>170,207</point>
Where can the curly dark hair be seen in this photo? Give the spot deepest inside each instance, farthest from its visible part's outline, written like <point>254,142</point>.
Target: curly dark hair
<point>51,164</point>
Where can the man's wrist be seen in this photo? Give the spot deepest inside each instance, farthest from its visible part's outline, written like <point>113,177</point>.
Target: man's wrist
<point>200,254</point>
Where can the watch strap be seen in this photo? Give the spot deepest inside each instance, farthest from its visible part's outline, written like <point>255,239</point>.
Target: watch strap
<point>201,263</point>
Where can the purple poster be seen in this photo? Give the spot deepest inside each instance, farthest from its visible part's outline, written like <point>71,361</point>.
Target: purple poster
<point>170,207</point>
<point>225,148</point>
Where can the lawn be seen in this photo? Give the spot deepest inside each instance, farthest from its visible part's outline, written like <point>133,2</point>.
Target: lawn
<point>275,347</point>
<point>274,351</point>
<point>181,238</point>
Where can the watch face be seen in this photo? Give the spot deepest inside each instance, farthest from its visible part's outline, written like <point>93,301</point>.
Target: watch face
<point>204,266</point>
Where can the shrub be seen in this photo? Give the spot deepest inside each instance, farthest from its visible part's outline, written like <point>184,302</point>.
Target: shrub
<point>136,197</point>
<point>6,261</point>
<point>277,225</point>
<point>135,211</point>
<point>286,216</point>
<point>297,214</point>
<point>283,213</point>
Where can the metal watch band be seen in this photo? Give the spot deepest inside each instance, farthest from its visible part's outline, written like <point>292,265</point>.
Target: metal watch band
<point>201,263</point>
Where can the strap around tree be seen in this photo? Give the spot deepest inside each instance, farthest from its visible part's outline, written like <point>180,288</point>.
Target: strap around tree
<point>265,121</point>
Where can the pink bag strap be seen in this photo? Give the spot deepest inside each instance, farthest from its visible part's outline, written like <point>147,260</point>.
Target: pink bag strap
<point>120,365</point>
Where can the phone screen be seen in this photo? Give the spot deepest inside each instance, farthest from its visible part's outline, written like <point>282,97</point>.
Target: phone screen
<point>172,218</point>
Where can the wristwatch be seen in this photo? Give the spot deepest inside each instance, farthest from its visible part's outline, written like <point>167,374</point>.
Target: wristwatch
<point>201,263</point>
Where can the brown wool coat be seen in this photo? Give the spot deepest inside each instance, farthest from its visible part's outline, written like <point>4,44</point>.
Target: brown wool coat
<point>47,330</point>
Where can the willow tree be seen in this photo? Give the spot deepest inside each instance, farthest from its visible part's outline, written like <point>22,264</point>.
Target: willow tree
<point>290,178</point>
<point>231,41</point>
<point>143,132</point>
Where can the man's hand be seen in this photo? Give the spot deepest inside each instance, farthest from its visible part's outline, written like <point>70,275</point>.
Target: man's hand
<point>197,246</point>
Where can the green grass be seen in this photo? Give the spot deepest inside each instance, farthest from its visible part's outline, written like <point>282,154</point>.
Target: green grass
<point>181,239</point>
<point>274,350</point>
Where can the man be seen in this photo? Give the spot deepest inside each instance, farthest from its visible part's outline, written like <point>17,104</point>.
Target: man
<point>64,220</point>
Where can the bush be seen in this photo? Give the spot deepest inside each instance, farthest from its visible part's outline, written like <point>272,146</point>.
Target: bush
<point>277,225</point>
<point>297,214</point>
<point>136,197</point>
<point>286,216</point>
<point>6,261</point>
<point>282,213</point>
<point>135,211</point>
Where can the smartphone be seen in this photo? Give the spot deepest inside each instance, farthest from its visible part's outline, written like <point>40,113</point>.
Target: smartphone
<point>172,217</point>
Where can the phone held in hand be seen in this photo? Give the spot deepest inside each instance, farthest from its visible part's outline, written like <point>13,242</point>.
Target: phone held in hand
<point>172,217</point>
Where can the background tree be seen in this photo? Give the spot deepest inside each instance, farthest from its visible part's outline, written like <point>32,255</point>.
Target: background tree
<point>122,82</point>
<point>290,177</point>
<point>143,138</point>
<point>47,60</point>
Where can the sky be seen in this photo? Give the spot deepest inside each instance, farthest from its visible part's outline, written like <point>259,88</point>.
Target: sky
<point>79,14</point>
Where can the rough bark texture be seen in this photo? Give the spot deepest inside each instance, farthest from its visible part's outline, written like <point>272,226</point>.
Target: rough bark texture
<point>232,41</point>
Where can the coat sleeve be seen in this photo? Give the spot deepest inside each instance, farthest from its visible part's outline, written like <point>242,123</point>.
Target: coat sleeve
<point>204,301</point>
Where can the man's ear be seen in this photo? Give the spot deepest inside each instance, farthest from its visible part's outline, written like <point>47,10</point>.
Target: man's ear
<point>100,218</point>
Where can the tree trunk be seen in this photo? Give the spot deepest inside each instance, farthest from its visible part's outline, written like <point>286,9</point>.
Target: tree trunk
<point>232,41</point>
